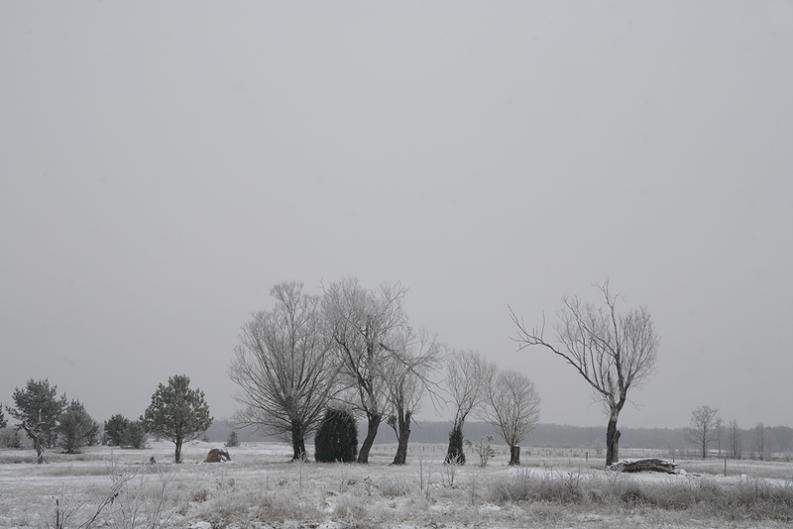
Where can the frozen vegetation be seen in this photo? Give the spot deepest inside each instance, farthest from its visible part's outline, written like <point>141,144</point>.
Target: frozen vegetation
<point>260,489</point>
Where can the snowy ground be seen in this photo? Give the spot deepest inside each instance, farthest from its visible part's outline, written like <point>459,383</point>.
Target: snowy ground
<point>258,488</point>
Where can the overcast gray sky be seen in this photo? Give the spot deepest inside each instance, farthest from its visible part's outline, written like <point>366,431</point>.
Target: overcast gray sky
<point>163,164</point>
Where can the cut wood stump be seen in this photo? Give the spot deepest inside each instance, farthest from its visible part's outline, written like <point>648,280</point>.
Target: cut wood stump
<point>644,465</point>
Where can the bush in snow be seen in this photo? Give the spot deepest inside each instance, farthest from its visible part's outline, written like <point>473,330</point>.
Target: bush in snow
<point>337,437</point>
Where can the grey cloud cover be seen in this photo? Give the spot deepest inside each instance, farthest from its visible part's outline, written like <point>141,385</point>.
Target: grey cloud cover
<point>163,164</point>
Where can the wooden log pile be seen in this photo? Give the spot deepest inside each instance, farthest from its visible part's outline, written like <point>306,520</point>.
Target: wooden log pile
<point>644,465</point>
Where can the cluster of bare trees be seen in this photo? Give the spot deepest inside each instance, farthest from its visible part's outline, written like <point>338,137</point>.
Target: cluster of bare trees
<point>505,399</point>
<point>354,347</point>
<point>707,432</point>
<point>350,347</point>
<point>383,362</point>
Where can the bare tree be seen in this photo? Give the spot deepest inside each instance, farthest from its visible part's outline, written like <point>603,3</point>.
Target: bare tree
<point>613,352</point>
<point>719,435</point>
<point>760,441</point>
<point>285,367</point>
<point>406,373</point>
<point>361,323</point>
<point>735,440</point>
<point>703,428</point>
<point>513,407</point>
<point>466,375</point>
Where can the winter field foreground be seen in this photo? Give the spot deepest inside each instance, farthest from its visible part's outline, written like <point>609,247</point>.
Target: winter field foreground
<point>259,489</point>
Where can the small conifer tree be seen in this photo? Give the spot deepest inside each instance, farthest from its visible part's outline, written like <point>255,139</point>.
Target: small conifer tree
<point>36,410</point>
<point>337,437</point>
<point>114,430</point>
<point>177,412</point>
<point>134,435</point>
<point>9,438</point>
<point>76,428</point>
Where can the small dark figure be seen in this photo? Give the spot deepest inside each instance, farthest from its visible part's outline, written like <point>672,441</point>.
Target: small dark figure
<point>217,455</point>
<point>152,461</point>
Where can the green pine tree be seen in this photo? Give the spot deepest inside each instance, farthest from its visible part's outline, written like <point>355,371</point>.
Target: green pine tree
<point>134,435</point>
<point>177,412</point>
<point>37,409</point>
<point>76,428</point>
<point>114,430</point>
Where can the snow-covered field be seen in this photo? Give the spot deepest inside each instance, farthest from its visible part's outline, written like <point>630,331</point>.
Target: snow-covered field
<point>259,488</point>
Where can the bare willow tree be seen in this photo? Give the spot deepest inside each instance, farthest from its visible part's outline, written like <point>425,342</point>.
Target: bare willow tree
<point>613,352</point>
<point>703,428</point>
<point>513,407</point>
<point>285,367</point>
<point>760,438</point>
<point>466,375</point>
<point>361,323</point>
<point>735,440</point>
<point>406,373</point>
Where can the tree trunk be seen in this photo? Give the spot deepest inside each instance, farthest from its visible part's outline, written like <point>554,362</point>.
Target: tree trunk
<point>298,442</point>
<point>403,437</point>
<point>454,454</point>
<point>37,443</point>
<point>39,450</point>
<point>178,454</point>
<point>612,441</point>
<point>514,456</point>
<point>371,432</point>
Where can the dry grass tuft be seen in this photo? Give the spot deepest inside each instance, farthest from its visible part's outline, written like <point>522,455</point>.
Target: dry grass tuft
<point>393,487</point>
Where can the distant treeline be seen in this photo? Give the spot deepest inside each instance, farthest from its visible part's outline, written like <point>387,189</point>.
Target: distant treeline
<point>777,438</point>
